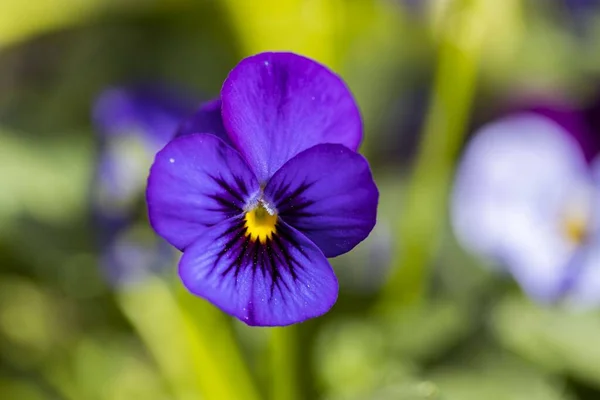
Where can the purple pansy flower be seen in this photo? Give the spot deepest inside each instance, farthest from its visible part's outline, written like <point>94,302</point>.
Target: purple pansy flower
<point>258,206</point>
<point>132,123</point>
<point>526,196</point>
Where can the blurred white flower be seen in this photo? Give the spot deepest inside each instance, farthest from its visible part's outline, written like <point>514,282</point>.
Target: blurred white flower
<point>525,197</point>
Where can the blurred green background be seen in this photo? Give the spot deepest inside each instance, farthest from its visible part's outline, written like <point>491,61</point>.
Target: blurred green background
<point>417,317</point>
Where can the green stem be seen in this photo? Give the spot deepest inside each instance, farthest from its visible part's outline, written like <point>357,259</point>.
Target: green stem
<point>283,350</point>
<point>424,210</point>
<point>196,362</point>
<point>220,349</point>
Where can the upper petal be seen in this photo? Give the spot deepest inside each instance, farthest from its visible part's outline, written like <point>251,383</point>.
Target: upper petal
<point>196,181</point>
<point>327,192</point>
<point>276,105</point>
<point>207,119</point>
<point>280,282</point>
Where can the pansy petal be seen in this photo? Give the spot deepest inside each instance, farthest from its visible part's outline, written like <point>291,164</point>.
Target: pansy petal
<point>207,119</point>
<point>541,260</point>
<point>327,192</point>
<point>276,105</point>
<point>282,281</point>
<point>584,288</point>
<point>195,182</point>
<point>548,247</point>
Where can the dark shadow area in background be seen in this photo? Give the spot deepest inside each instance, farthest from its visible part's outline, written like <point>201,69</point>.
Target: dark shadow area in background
<point>55,77</point>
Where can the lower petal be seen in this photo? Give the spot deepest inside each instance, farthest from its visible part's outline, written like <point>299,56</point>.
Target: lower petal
<point>541,261</point>
<point>584,291</point>
<point>282,281</point>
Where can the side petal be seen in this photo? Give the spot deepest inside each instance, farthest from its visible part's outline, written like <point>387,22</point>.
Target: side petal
<point>207,119</point>
<point>282,281</point>
<point>327,192</point>
<point>196,181</point>
<point>276,105</point>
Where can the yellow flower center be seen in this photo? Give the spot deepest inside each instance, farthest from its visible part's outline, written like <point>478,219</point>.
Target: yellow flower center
<point>577,214</point>
<point>575,228</point>
<point>260,223</point>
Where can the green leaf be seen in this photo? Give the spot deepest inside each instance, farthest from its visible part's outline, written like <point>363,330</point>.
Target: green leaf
<point>559,340</point>
<point>422,331</point>
<point>496,376</point>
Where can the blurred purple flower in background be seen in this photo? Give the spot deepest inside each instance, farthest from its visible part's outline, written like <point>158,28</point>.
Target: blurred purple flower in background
<point>132,125</point>
<point>207,119</point>
<point>526,196</point>
<point>257,214</point>
<point>582,8</point>
<point>578,15</point>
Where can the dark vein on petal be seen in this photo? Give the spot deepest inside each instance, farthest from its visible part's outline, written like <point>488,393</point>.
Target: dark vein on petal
<point>225,186</point>
<point>304,204</point>
<point>273,257</point>
<point>281,192</point>
<point>288,236</point>
<point>226,203</point>
<point>239,227</point>
<point>241,184</point>
<point>237,263</point>
<point>255,254</point>
<point>288,260</point>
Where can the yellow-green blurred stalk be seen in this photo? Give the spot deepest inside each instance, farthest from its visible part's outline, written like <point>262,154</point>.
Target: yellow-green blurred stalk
<point>461,34</point>
<point>308,27</point>
<point>312,28</point>
<point>284,363</point>
<point>191,341</point>
<point>20,20</point>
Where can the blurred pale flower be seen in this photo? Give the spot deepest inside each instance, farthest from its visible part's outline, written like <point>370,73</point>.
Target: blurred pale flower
<point>525,196</point>
<point>132,125</point>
